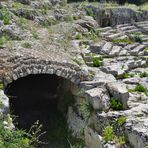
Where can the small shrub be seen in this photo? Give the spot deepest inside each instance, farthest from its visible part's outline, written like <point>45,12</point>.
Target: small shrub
<point>127,75</point>
<point>143,74</point>
<point>4,39</point>
<point>35,34</point>
<point>22,22</point>
<point>108,133</point>
<point>121,140</point>
<point>1,104</point>
<point>115,104</point>
<point>5,16</point>
<point>78,36</point>
<point>146,49</point>
<point>115,132</point>
<point>26,45</point>
<point>68,18</point>
<point>138,39</point>
<point>97,61</point>
<point>121,120</point>
<point>93,35</point>
<point>75,143</point>
<point>140,88</point>
<point>1,86</point>
<point>125,40</point>
<point>89,11</point>
<point>17,5</point>
<point>86,109</point>
<point>19,138</point>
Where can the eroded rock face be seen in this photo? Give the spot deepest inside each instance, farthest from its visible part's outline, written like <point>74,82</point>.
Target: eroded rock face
<point>116,16</point>
<point>4,103</point>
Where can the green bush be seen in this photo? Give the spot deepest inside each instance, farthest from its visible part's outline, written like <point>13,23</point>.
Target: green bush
<point>19,138</point>
<point>97,61</point>
<point>5,16</point>
<point>22,22</point>
<point>115,132</point>
<point>121,120</point>
<point>86,109</point>
<point>89,11</point>
<point>138,39</point>
<point>141,88</point>
<point>1,86</point>
<point>115,104</point>
<point>125,40</point>
<point>4,39</point>
<point>127,75</point>
<point>143,74</point>
<point>146,49</point>
<point>108,133</point>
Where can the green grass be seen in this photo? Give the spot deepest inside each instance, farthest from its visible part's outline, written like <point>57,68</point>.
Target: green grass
<point>97,61</point>
<point>89,11</point>
<point>108,133</point>
<point>115,132</point>
<point>5,16</point>
<point>125,40</point>
<point>78,36</point>
<point>138,39</point>
<point>22,22</point>
<point>127,75</point>
<point>86,109</point>
<point>121,120</point>
<point>35,34</point>
<point>19,138</point>
<point>17,5</point>
<point>1,86</point>
<point>140,88</point>
<point>143,74</point>
<point>4,39</point>
<point>115,104</point>
<point>146,49</point>
<point>27,45</point>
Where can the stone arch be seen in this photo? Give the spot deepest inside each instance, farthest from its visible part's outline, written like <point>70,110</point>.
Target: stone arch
<point>26,66</point>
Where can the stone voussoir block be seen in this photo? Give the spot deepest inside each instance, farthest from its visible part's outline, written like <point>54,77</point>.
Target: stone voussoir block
<point>98,97</point>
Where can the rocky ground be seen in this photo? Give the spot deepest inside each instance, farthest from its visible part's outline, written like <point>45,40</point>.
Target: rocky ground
<point>110,64</point>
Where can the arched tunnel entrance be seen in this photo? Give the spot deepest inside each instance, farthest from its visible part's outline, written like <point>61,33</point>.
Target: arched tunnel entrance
<point>41,97</point>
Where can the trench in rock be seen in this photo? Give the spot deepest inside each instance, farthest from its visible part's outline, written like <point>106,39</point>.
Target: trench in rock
<point>38,97</point>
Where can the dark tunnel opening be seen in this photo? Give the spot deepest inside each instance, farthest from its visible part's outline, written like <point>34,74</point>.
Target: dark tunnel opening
<point>39,98</point>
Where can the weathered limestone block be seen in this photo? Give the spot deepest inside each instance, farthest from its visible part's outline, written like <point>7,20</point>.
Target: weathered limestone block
<point>137,132</point>
<point>119,91</point>
<point>92,138</point>
<point>115,16</point>
<point>100,79</point>
<point>98,97</point>
<point>75,123</point>
<point>88,22</point>
<point>4,103</point>
<point>107,47</point>
<point>115,69</point>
